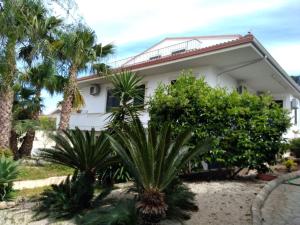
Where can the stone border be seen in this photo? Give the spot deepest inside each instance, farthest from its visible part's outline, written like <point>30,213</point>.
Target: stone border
<point>265,192</point>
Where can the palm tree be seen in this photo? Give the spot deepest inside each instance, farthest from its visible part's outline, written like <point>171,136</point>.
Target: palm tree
<point>40,73</point>
<point>128,89</point>
<point>78,51</point>
<point>24,106</point>
<point>16,16</point>
<point>154,159</point>
<point>37,78</point>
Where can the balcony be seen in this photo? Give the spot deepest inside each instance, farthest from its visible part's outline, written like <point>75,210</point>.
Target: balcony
<point>157,54</point>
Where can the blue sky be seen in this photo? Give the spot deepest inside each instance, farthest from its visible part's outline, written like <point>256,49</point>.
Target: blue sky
<point>134,25</point>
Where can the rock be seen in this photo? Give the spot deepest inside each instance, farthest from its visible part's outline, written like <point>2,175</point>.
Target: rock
<point>3,205</point>
<point>10,204</point>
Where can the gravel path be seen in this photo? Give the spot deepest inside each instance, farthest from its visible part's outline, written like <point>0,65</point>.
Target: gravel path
<point>220,203</point>
<point>224,203</point>
<point>282,207</point>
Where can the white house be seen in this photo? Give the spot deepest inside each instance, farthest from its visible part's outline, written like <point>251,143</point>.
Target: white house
<point>232,61</point>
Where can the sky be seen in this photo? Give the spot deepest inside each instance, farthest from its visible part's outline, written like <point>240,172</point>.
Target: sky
<point>135,25</point>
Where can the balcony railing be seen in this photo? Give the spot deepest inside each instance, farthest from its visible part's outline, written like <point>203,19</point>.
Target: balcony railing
<point>157,54</point>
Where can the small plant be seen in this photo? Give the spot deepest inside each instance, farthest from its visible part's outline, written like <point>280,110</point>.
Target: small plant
<point>180,201</point>
<point>66,199</point>
<point>295,147</point>
<point>8,173</point>
<point>6,152</point>
<point>290,164</point>
<point>123,212</point>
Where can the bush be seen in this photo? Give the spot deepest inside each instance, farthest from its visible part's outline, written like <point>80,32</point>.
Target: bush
<point>8,173</point>
<point>6,152</point>
<point>295,147</point>
<point>247,129</point>
<point>180,201</point>
<point>290,164</point>
<point>66,199</point>
<point>179,198</point>
<point>122,212</point>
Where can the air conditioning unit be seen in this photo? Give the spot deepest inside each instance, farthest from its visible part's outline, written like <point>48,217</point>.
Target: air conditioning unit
<point>295,103</point>
<point>95,89</point>
<point>241,89</point>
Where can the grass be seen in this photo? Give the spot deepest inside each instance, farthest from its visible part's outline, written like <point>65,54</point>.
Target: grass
<point>41,172</point>
<point>32,193</point>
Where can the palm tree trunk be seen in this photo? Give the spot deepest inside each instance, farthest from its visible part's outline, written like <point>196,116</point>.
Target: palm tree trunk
<point>26,147</point>
<point>6,104</point>
<point>14,143</point>
<point>67,104</point>
<point>152,207</point>
<point>7,93</point>
<point>27,144</point>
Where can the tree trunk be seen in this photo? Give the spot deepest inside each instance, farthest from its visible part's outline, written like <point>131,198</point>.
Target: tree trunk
<point>67,104</point>
<point>27,144</point>
<point>152,207</point>
<point>7,93</point>
<point>26,147</point>
<point>6,104</point>
<point>14,143</point>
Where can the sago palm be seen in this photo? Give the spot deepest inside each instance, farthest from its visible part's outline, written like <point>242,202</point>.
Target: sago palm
<point>154,159</point>
<point>82,150</point>
<point>78,50</point>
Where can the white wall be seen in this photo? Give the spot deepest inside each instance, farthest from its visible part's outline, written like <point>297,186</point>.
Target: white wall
<point>94,112</point>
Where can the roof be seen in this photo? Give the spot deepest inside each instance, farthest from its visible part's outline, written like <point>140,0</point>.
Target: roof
<point>238,41</point>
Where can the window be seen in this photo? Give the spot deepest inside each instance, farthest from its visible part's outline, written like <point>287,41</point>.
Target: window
<point>178,51</point>
<point>279,102</point>
<point>295,116</point>
<point>155,57</point>
<point>112,101</point>
<point>140,101</point>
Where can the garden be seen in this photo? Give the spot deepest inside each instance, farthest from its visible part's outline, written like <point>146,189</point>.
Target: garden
<point>129,174</point>
<point>196,162</point>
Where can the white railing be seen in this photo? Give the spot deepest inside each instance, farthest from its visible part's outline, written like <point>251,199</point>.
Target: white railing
<point>157,54</point>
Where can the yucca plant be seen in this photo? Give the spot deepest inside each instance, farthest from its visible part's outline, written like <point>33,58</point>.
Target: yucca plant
<point>154,159</point>
<point>82,150</point>
<point>8,173</point>
<point>128,89</point>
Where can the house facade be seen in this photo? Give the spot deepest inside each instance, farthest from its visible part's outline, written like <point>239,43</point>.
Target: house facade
<point>232,61</point>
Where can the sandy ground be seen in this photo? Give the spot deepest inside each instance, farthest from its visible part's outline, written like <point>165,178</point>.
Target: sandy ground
<point>220,203</point>
<point>224,203</point>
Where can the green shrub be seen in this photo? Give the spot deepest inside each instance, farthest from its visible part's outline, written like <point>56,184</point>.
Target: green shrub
<point>180,201</point>
<point>290,164</point>
<point>123,212</point>
<point>8,173</point>
<point>66,199</point>
<point>247,129</point>
<point>6,152</point>
<point>295,147</point>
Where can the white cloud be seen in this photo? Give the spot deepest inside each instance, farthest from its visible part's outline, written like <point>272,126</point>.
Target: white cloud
<point>136,20</point>
<point>287,55</point>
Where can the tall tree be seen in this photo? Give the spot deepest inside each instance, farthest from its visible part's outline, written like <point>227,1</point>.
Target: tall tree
<point>40,73</point>
<point>14,17</point>
<point>78,51</point>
